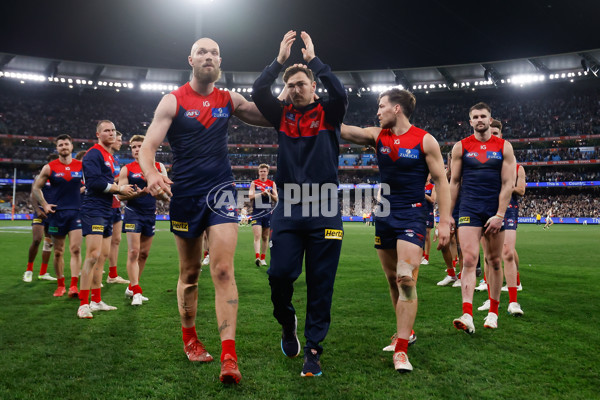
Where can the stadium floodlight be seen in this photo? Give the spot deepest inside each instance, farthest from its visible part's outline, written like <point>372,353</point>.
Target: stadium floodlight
<point>277,90</point>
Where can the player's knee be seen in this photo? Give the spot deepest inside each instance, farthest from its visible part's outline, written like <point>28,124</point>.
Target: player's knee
<point>407,288</point>
<point>75,250</point>
<point>143,255</point>
<point>48,245</point>
<point>508,254</point>
<point>493,262</point>
<point>222,273</point>
<point>133,254</point>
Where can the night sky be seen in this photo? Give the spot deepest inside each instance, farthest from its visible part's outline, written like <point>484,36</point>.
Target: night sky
<point>349,35</point>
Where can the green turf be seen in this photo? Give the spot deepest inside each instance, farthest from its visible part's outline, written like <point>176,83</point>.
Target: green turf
<point>136,352</point>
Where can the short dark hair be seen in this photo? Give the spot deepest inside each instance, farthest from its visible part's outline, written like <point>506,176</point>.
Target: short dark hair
<point>64,136</point>
<point>480,106</point>
<point>404,98</point>
<point>294,69</point>
<point>496,124</point>
<point>103,121</point>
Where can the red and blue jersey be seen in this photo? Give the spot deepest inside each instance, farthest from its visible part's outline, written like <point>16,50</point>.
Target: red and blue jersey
<point>260,186</point>
<point>403,167</point>
<point>65,180</point>
<point>198,139</point>
<point>145,204</point>
<point>308,137</point>
<point>481,170</point>
<point>116,203</point>
<point>428,191</point>
<point>98,171</point>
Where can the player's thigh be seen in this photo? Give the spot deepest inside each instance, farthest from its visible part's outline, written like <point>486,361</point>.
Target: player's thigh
<point>222,240</point>
<point>468,237</point>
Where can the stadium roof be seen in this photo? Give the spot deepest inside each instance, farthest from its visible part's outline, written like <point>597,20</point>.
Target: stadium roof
<point>378,43</point>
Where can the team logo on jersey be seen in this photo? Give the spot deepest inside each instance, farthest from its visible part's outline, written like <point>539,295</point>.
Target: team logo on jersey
<point>472,154</point>
<point>129,227</point>
<point>314,124</point>
<point>138,175</point>
<point>76,174</point>
<point>385,150</point>
<point>192,113</point>
<point>179,226</point>
<point>291,116</point>
<point>377,241</point>
<point>494,155</point>
<point>220,113</point>
<point>464,220</point>
<point>413,154</point>
<point>59,174</point>
<point>108,164</point>
<point>97,228</point>
<point>336,234</point>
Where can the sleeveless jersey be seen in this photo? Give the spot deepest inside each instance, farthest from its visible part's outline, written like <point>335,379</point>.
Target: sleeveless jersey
<point>265,203</point>
<point>98,172</point>
<point>481,170</point>
<point>198,139</point>
<point>145,204</point>
<point>65,180</point>
<point>428,190</point>
<point>116,203</point>
<point>402,166</point>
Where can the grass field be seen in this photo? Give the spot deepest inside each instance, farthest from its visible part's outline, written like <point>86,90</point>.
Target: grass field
<point>552,352</point>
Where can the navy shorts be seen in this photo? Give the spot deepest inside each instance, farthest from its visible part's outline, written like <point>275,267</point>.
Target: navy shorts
<point>116,215</point>
<point>262,220</point>
<point>476,216</point>
<point>63,221</point>
<point>190,216</point>
<point>96,225</point>
<point>401,224</point>
<point>37,220</point>
<point>134,222</point>
<point>511,219</point>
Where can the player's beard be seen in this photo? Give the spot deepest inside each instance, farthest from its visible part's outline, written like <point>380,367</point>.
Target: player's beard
<point>209,76</point>
<point>482,129</point>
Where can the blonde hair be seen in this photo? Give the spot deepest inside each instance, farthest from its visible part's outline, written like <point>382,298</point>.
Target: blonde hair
<point>261,166</point>
<point>136,138</point>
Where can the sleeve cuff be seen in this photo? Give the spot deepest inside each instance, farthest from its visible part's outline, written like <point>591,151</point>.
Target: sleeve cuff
<point>107,189</point>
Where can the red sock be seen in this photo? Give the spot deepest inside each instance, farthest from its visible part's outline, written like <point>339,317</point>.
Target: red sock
<point>61,282</point>
<point>426,256</point>
<point>459,274</point>
<point>129,287</point>
<point>96,295</point>
<point>189,334</point>
<point>84,296</point>
<point>468,308</point>
<point>74,281</point>
<point>43,269</point>
<point>262,256</point>
<point>401,345</point>
<point>512,294</point>
<point>112,272</point>
<point>454,262</point>
<point>450,272</point>
<point>257,255</point>
<point>136,289</point>
<point>228,347</point>
<point>205,254</point>
<point>29,266</point>
<point>484,278</point>
<point>494,306</point>
<point>518,279</point>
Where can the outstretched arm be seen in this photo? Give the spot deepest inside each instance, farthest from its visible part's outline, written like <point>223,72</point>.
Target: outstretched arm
<point>358,135</point>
